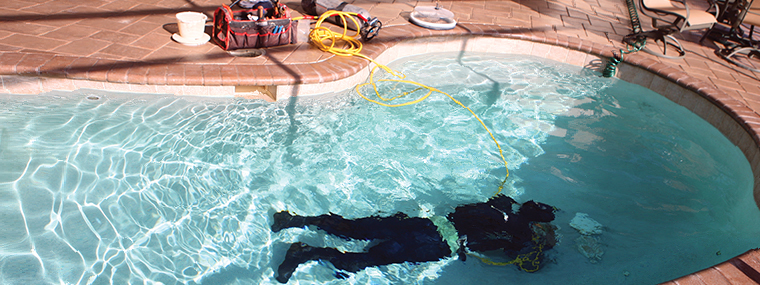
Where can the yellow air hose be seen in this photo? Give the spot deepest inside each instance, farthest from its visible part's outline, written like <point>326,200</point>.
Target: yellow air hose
<point>533,258</point>
<point>329,41</point>
<point>342,44</point>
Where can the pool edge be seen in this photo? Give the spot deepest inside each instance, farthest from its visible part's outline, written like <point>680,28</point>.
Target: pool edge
<point>739,123</point>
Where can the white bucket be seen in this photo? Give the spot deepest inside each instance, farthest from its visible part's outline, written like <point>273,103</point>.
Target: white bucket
<point>192,25</point>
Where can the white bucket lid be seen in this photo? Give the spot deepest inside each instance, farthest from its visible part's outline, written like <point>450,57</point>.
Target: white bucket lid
<point>433,12</point>
<point>433,17</point>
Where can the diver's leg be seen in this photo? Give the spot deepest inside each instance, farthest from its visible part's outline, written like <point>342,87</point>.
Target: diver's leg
<point>299,253</point>
<point>415,246</point>
<point>363,228</point>
<point>333,224</point>
<point>285,219</point>
<point>413,242</point>
<point>393,251</point>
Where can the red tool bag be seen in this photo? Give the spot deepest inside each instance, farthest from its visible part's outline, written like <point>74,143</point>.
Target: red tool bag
<point>254,28</point>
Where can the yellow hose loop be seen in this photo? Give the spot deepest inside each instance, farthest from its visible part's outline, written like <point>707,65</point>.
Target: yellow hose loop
<point>328,41</point>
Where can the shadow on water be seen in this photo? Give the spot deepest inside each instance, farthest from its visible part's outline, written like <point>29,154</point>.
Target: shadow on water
<point>292,134</point>
<point>494,93</point>
<point>290,109</point>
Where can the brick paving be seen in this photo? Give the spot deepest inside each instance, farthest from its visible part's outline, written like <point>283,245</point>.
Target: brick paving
<point>115,41</point>
<point>129,42</point>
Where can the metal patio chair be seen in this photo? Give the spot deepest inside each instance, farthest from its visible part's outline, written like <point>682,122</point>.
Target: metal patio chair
<point>676,20</point>
<point>746,48</point>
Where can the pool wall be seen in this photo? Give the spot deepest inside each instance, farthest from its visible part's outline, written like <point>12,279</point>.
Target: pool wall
<point>733,118</point>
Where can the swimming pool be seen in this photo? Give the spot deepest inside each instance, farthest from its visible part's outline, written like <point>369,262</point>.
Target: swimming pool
<point>104,187</point>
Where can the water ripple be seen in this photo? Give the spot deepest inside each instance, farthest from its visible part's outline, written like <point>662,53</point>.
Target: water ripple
<point>143,188</point>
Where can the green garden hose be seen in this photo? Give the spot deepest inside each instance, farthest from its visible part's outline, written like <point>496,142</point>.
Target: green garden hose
<point>634,41</point>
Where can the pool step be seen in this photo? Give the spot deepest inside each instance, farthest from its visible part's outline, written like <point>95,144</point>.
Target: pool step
<point>743,269</point>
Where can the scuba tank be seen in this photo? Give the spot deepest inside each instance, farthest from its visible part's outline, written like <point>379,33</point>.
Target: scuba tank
<point>370,26</point>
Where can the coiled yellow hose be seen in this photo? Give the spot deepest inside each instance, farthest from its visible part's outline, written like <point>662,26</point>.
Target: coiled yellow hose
<point>342,44</point>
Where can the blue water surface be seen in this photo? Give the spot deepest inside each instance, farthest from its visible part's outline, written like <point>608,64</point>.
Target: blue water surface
<point>104,187</point>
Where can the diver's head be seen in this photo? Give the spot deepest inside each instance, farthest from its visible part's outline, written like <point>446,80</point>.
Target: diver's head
<point>537,212</point>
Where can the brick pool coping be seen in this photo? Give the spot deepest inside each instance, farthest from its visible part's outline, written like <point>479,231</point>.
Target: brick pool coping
<point>40,72</point>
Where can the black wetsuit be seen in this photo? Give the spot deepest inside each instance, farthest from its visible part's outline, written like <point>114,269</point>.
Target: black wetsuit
<point>481,226</point>
<point>493,225</point>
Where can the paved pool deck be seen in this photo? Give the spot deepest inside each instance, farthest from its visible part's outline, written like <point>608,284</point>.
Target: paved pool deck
<point>126,45</point>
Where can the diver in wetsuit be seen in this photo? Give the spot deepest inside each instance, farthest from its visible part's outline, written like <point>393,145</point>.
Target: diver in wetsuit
<point>479,227</point>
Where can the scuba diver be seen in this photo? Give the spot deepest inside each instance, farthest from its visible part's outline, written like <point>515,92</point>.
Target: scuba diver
<point>479,227</point>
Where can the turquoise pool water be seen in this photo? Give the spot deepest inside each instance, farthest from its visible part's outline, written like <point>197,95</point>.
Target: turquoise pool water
<point>99,187</point>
